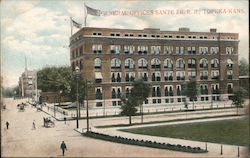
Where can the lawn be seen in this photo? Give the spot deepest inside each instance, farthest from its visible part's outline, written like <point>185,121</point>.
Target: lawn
<point>235,132</point>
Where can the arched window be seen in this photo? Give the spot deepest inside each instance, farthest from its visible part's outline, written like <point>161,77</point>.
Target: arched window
<point>142,63</point>
<point>229,63</point>
<point>98,63</point>
<point>229,88</point>
<point>115,63</point>
<point>155,63</point>
<point>203,63</point>
<point>191,63</point>
<point>215,63</point>
<point>81,64</point>
<point>180,63</point>
<point>129,63</point>
<point>168,63</point>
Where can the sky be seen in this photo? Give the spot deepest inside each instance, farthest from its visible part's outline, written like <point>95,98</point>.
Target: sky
<point>40,29</point>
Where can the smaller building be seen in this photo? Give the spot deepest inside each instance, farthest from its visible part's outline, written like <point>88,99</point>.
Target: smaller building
<point>28,84</point>
<point>244,82</point>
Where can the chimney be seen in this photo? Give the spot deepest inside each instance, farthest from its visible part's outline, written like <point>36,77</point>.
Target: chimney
<point>184,29</point>
<point>213,30</point>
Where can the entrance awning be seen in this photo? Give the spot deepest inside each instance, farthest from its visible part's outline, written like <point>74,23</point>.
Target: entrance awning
<point>98,75</point>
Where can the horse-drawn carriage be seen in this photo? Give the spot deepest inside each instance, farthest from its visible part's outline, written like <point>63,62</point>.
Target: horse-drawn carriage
<point>48,122</point>
<point>21,107</point>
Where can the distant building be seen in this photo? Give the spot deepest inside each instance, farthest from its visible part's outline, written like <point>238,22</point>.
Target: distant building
<point>244,82</point>
<point>113,58</point>
<point>28,83</point>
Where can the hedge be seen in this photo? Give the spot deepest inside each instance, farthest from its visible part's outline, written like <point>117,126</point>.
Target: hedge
<point>146,143</point>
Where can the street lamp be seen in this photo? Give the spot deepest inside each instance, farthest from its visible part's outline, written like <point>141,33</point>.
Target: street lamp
<point>77,73</point>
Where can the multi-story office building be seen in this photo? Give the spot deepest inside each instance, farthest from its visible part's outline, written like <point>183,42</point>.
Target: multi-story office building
<point>28,84</point>
<point>113,58</point>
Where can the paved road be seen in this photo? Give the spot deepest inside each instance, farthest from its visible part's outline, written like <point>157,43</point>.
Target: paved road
<point>21,141</point>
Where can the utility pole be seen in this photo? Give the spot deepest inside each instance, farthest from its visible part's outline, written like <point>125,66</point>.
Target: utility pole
<point>87,107</point>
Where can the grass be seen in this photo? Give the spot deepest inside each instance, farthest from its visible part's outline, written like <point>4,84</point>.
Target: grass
<point>234,132</point>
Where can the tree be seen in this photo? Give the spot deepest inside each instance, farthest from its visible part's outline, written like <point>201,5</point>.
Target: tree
<point>191,90</point>
<point>55,79</point>
<point>129,107</point>
<point>244,67</point>
<point>139,93</point>
<point>238,98</point>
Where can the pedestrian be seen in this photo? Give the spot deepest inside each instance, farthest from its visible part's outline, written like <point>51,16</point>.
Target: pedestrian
<point>63,147</point>
<point>44,121</point>
<point>7,125</point>
<point>34,125</point>
<point>64,120</point>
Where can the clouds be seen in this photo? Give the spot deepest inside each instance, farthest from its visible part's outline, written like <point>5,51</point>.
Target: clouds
<point>40,29</point>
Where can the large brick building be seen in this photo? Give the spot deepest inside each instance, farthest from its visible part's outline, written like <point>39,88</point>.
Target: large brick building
<point>113,58</point>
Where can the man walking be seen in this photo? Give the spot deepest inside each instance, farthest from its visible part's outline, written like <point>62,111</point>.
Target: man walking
<point>7,125</point>
<point>33,125</point>
<point>63,147</point>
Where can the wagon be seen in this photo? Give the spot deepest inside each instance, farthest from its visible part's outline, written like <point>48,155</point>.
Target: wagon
<point>49,123</point>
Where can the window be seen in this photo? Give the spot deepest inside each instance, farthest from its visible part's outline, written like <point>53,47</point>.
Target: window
<point>179,90</point>
<point>229,88</point>
<point>98,93</point>
<point>215,88</point>
<point>203,50</point>
<point>215,63</point>
<point>229,63</point>
<point>168,64</point>
<point>156,76</point>
<point>142,49</point>
<point>169,90</point>
<point>116,92</point>
<point>191,50</point>
<point>129,63</point>
<point>130,76</point>
<point>179,50</point>
<point>97,48</point>
<point>142,63</point>
<point>214,50</point>
<point>156,91</point>
<point>115,49</point>
<point>116,76</point>
<point>81,64</point>
<point>155,63</point>
<point>128,49</point>
<point>191,63</point>
<point>180,64</point>
<point>203,63</point>
<point>203,89</point>
<point>215,74</point>
<point>180,75</point>
<point>155,49</point>
<point>204,75</point>
<point>191,75</point>
<point>168,49</point>
<point>229,74</point>
<point>98,63</point>
<point>229,50</point>
<point>115,63</point>
<point>168,76</point>
<point>128,91</point>
<point>81,50</point>
<point>143,76</point>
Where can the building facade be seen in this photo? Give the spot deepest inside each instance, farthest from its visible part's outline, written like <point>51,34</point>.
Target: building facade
<point>111,59</point>
<point>28,84</point>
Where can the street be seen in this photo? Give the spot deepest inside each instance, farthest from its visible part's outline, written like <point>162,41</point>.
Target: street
<point>21,140</point>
